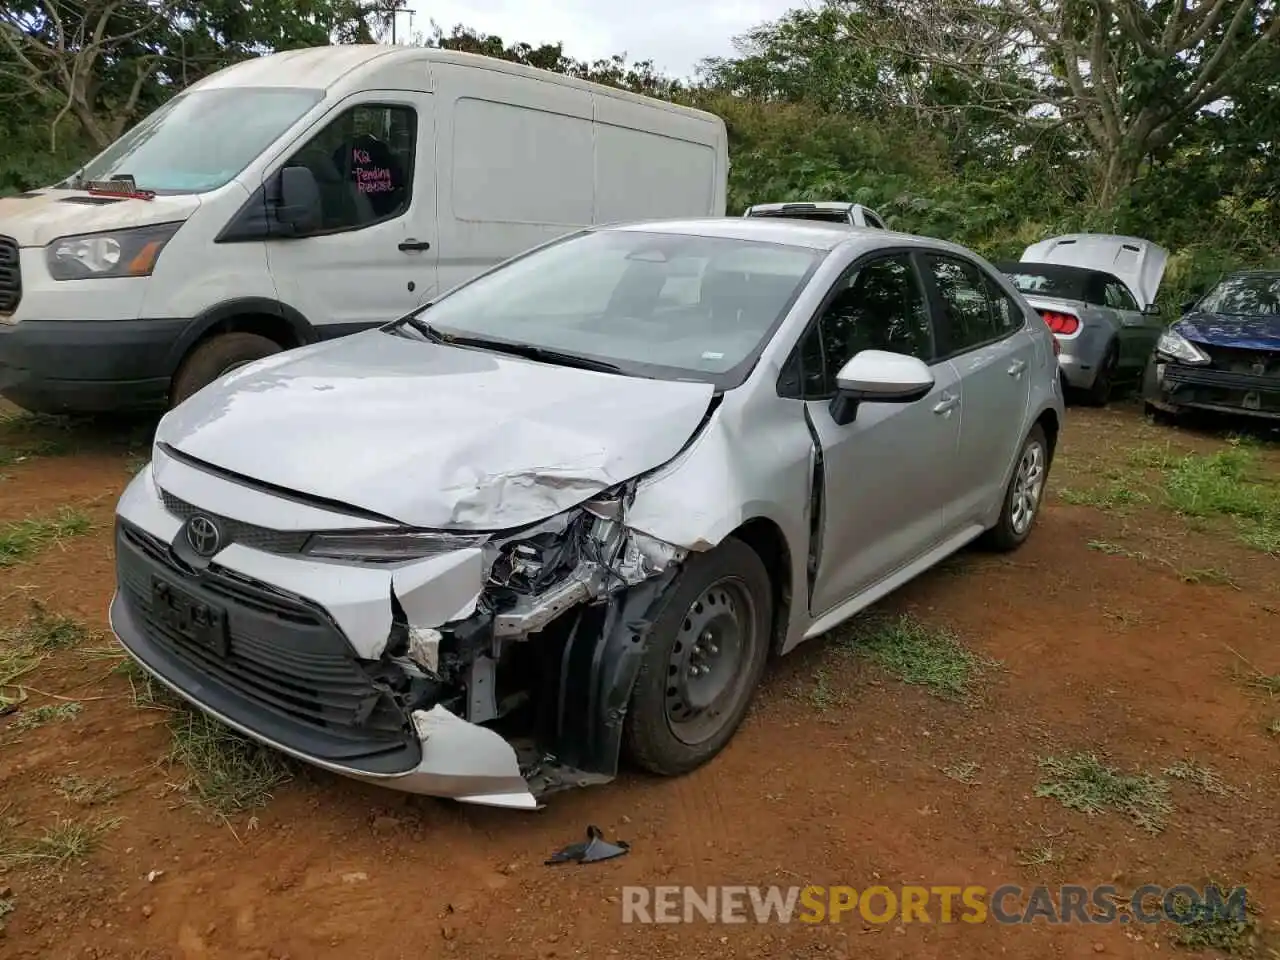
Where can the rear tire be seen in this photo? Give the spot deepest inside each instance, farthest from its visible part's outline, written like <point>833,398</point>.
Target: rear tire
<point>216,356</point>
<point>1024,496</point>
<point>703,661</point>
<point>1099,393</point>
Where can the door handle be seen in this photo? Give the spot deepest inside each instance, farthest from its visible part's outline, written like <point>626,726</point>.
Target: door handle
<point>1016,368</point>
<point>946,404</point>
<point>408,245</point>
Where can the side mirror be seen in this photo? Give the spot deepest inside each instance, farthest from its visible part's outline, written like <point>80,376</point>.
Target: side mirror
<point>1151,310</point>
<point>298,206</point>
<point>878,376</point>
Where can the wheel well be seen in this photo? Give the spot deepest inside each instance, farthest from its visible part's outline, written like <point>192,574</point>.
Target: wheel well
<point>1048,422</point>
<point>766,539</point>
<point>264,324</point>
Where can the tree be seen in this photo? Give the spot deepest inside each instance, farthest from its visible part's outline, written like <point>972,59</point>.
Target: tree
<point>1125,75</point>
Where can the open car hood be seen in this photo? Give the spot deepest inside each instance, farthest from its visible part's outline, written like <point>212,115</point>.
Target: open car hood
<point>434,436</point>
<point>1139,263</point>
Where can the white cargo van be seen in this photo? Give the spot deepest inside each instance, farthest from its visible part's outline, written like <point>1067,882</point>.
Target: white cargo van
<point>310,194</point>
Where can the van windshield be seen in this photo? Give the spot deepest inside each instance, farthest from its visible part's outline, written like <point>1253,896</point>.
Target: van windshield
<point>200,140</point>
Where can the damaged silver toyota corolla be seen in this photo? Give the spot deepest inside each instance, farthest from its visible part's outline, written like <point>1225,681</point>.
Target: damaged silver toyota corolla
<point>567,512</point>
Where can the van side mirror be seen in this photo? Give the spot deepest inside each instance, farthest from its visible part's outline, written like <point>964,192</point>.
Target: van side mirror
<point>878,376</point>
<point>298,201</point>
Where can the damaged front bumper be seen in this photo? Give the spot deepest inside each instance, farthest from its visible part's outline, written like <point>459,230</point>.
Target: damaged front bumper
<point>1250,390</point>
<point>482,673</point>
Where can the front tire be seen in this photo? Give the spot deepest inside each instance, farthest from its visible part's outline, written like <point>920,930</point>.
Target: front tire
<point>217,356</point>
<point>1024,495</point>
<point>703,661</point>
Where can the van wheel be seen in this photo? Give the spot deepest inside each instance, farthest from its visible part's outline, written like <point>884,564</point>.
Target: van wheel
<point>216,356</point>
<point>1024,495</point>
<point>703,661</point>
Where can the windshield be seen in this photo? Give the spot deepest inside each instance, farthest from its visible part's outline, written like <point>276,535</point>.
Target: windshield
<point>200,140</point>
<point>653,304</point>
<point>1255,295</point>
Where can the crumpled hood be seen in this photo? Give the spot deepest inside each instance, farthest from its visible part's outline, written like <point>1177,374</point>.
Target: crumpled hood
<point>435,436</point>
<point>1220,330</point>
<point>36,220</point>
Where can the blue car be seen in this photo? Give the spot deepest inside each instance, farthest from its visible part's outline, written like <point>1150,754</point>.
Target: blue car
<point>1224,354</point>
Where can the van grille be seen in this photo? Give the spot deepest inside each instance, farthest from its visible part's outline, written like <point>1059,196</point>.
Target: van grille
<point>10,275</point>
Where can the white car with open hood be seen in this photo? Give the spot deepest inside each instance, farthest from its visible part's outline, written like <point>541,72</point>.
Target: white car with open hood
<point>568,510</point>
<point>1097,293</point>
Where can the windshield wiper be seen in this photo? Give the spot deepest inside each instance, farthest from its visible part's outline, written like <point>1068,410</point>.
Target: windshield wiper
<point>424,328</point>
<point>531,352</point>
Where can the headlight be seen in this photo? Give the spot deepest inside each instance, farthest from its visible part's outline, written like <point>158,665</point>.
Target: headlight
<point>1175,345</point>
<point>388,546</point>
<point>117,253</point>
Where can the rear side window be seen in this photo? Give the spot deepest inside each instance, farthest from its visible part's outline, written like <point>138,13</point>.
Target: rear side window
<point>1118,297</point>
<point>363,163</point>
<point>972,316</point>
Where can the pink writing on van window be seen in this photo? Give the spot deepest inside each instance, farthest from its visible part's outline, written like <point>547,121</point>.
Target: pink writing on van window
<point>370,179</point>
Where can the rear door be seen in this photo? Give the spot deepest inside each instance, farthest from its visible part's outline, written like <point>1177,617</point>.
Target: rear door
<point>884,485</point>
<point>984,334</point>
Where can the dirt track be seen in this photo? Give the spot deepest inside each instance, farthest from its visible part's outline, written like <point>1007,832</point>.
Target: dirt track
<point>1122,628</point>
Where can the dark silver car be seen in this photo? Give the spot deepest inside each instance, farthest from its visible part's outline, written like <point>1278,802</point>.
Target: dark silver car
<point>1097,293</point>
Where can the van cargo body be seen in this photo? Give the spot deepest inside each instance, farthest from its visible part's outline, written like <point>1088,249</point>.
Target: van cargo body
<point>310,194</point>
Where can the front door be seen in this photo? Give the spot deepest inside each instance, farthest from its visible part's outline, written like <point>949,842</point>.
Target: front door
<point>1138,331</point>
<point>885,477</point>
<point>374,257</point>
<point>985,335</point>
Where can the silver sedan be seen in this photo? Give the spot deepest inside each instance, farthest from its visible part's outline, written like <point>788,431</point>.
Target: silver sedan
<point>567,511</point>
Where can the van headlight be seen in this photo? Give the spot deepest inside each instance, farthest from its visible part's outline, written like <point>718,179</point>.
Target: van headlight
<point>115,253</point>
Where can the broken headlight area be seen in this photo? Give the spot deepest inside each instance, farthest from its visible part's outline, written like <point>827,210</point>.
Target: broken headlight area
<point>387,546</point>
<point>551,591</point>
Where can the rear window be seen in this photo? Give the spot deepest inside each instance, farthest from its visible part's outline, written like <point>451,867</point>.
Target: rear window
<point>1063,283</point>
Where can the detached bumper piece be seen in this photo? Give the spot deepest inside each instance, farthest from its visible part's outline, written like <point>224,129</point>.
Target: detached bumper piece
<point>1235,381</point>
<point>268,664</point>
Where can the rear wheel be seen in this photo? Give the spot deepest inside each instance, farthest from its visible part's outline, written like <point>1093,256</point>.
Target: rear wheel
<point>1104,381</point>
<point>215,357</point>
<point>1023,496</point>
<point>705,655</point>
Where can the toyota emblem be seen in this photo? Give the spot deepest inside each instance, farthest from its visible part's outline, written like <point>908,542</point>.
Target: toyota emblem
<point>203,535</point>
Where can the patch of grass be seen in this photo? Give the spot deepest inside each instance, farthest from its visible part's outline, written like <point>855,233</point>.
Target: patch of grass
<point>922,655</point>
<point>819,694</point>
<point>1203,926</point>
<point>226,773</point>
<point>49,713</point>
<point>21,538</point>
<point>66,842</point>
<point>1083,782</point>
<point>1207,779</point>
<point>1118,494</point>
<point>964,772</point>
<point>1273,727</point>
<point>1267,684</point>
<point>1041,854</point>
<point>1152,457</point>
<point>24,647</point>
<point>7,906</point>
<point>85,792</point>
<point>11,454</point>
<point>1228,483</point>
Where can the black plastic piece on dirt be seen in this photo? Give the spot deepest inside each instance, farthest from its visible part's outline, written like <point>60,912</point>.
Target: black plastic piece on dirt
<point>596,847</point>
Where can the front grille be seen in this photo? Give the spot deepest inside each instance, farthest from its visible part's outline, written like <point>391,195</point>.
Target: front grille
<point>289,673</point>
<point>237,531</point>
<point>1259,363</point>
<point>10,275</point>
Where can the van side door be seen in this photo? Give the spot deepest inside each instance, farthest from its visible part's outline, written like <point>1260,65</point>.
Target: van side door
<point>373,257</point>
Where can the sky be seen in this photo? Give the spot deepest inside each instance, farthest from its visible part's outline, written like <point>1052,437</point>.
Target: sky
<point>675,34</point>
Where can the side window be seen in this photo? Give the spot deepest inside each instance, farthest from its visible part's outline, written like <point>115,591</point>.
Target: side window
<point>363,163</point>
<point>972,318</point>
<point>879,306</point>
<point>1007,314</point>
<point>873,220</point>
<point>1119,298</point>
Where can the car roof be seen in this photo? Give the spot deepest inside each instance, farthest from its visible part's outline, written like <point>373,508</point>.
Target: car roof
<point>812,234</point>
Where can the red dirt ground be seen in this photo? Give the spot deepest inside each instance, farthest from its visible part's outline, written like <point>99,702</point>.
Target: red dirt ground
<point>1100,653</point>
